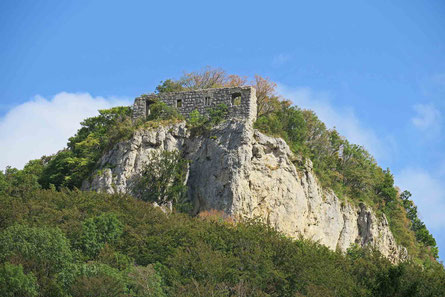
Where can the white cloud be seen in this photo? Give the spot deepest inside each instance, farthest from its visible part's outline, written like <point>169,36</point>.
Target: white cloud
<point>428,118</point>
<point>428,194</point>
<point>343,119</point>
<point>42,126</point>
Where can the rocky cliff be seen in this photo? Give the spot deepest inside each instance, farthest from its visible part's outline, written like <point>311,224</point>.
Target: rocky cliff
<point>247,174</point>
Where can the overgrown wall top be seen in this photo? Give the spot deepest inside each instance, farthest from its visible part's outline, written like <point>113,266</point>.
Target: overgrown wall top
<point>241,102</point>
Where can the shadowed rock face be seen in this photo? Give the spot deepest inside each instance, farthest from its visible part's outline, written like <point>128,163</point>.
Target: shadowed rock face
<point>247,174</point>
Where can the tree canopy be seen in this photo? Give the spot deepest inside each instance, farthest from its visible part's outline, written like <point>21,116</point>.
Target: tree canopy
<point>73,243</point>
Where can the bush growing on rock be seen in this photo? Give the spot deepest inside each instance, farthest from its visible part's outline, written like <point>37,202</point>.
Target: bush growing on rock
<point>163,179</point>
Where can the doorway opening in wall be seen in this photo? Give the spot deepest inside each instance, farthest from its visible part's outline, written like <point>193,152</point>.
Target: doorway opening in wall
<point>178,103</point>
<point>147,107</point>
<point>236,98</point>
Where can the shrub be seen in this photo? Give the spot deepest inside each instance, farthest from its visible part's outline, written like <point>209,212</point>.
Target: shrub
<point>163,178</point>
<point>196,119</point>
<point>216,216</point>
<point>161,111</point>
<point>218,114</point>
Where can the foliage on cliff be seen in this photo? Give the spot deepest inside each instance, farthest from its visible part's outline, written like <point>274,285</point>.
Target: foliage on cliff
<point>163,179</point>
<point>71,166</point>
<point>73,243</point>
<point>350,171</point>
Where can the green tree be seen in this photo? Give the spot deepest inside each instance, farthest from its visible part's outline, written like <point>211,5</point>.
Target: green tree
<point>17,182</point>
<point>146,282</point>
<point>99,125</point>
<point>14,282</point>
<point>43,250</point>
<point>99,230</point>
<point>419,228</point>
<point>99,280</point>
<point>385,188</point>
<point>169,85</point>
<point>71,166</point>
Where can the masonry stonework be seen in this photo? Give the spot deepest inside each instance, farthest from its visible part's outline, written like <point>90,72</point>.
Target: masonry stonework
<point>241,102</point>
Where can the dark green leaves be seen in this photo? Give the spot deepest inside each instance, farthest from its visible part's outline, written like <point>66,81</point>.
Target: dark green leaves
<point>162,179</point>
<point>160,111</point>
<point>143,252</point>
<point>71,166</point>
<point>14,282</point>
<point>97,231</point>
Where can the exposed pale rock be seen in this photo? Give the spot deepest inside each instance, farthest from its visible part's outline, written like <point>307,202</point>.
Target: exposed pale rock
<point>247,174</point>
<point>127,159</point>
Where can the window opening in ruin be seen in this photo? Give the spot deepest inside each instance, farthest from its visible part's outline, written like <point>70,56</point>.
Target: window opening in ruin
<point>147,107</point>
<point>179,103</point>
<point>236,98</point>
<point>207,101</point>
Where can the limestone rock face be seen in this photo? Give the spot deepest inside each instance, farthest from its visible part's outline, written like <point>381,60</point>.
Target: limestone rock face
<point>127,159</point>
<point>247,174</point>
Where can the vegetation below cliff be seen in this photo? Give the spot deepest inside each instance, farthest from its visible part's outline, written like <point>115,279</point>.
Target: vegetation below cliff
<point>60,243</point>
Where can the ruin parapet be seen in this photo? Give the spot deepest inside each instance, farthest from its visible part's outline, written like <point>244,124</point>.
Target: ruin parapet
<point>241,102</point>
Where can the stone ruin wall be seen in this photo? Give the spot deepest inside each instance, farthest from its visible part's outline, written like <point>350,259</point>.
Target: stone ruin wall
<point>241,102</point>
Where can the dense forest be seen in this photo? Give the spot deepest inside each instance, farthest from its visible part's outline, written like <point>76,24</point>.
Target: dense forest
<point>56,240</point>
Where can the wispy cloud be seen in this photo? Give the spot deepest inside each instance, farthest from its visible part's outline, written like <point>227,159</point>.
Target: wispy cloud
<point>428,194</point>
<point>427,119</point>
<point>280,59</point>
<point>42,126</point>
<point>343,119</point>
<point>439,79</point>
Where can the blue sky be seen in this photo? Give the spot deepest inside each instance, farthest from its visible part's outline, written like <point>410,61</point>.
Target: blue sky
<point>373,69</point>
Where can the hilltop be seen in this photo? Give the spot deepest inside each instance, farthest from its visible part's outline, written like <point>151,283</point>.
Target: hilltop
<point>212,201</point>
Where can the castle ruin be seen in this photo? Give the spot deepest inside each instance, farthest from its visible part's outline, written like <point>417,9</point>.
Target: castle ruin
<point>241,102</point>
